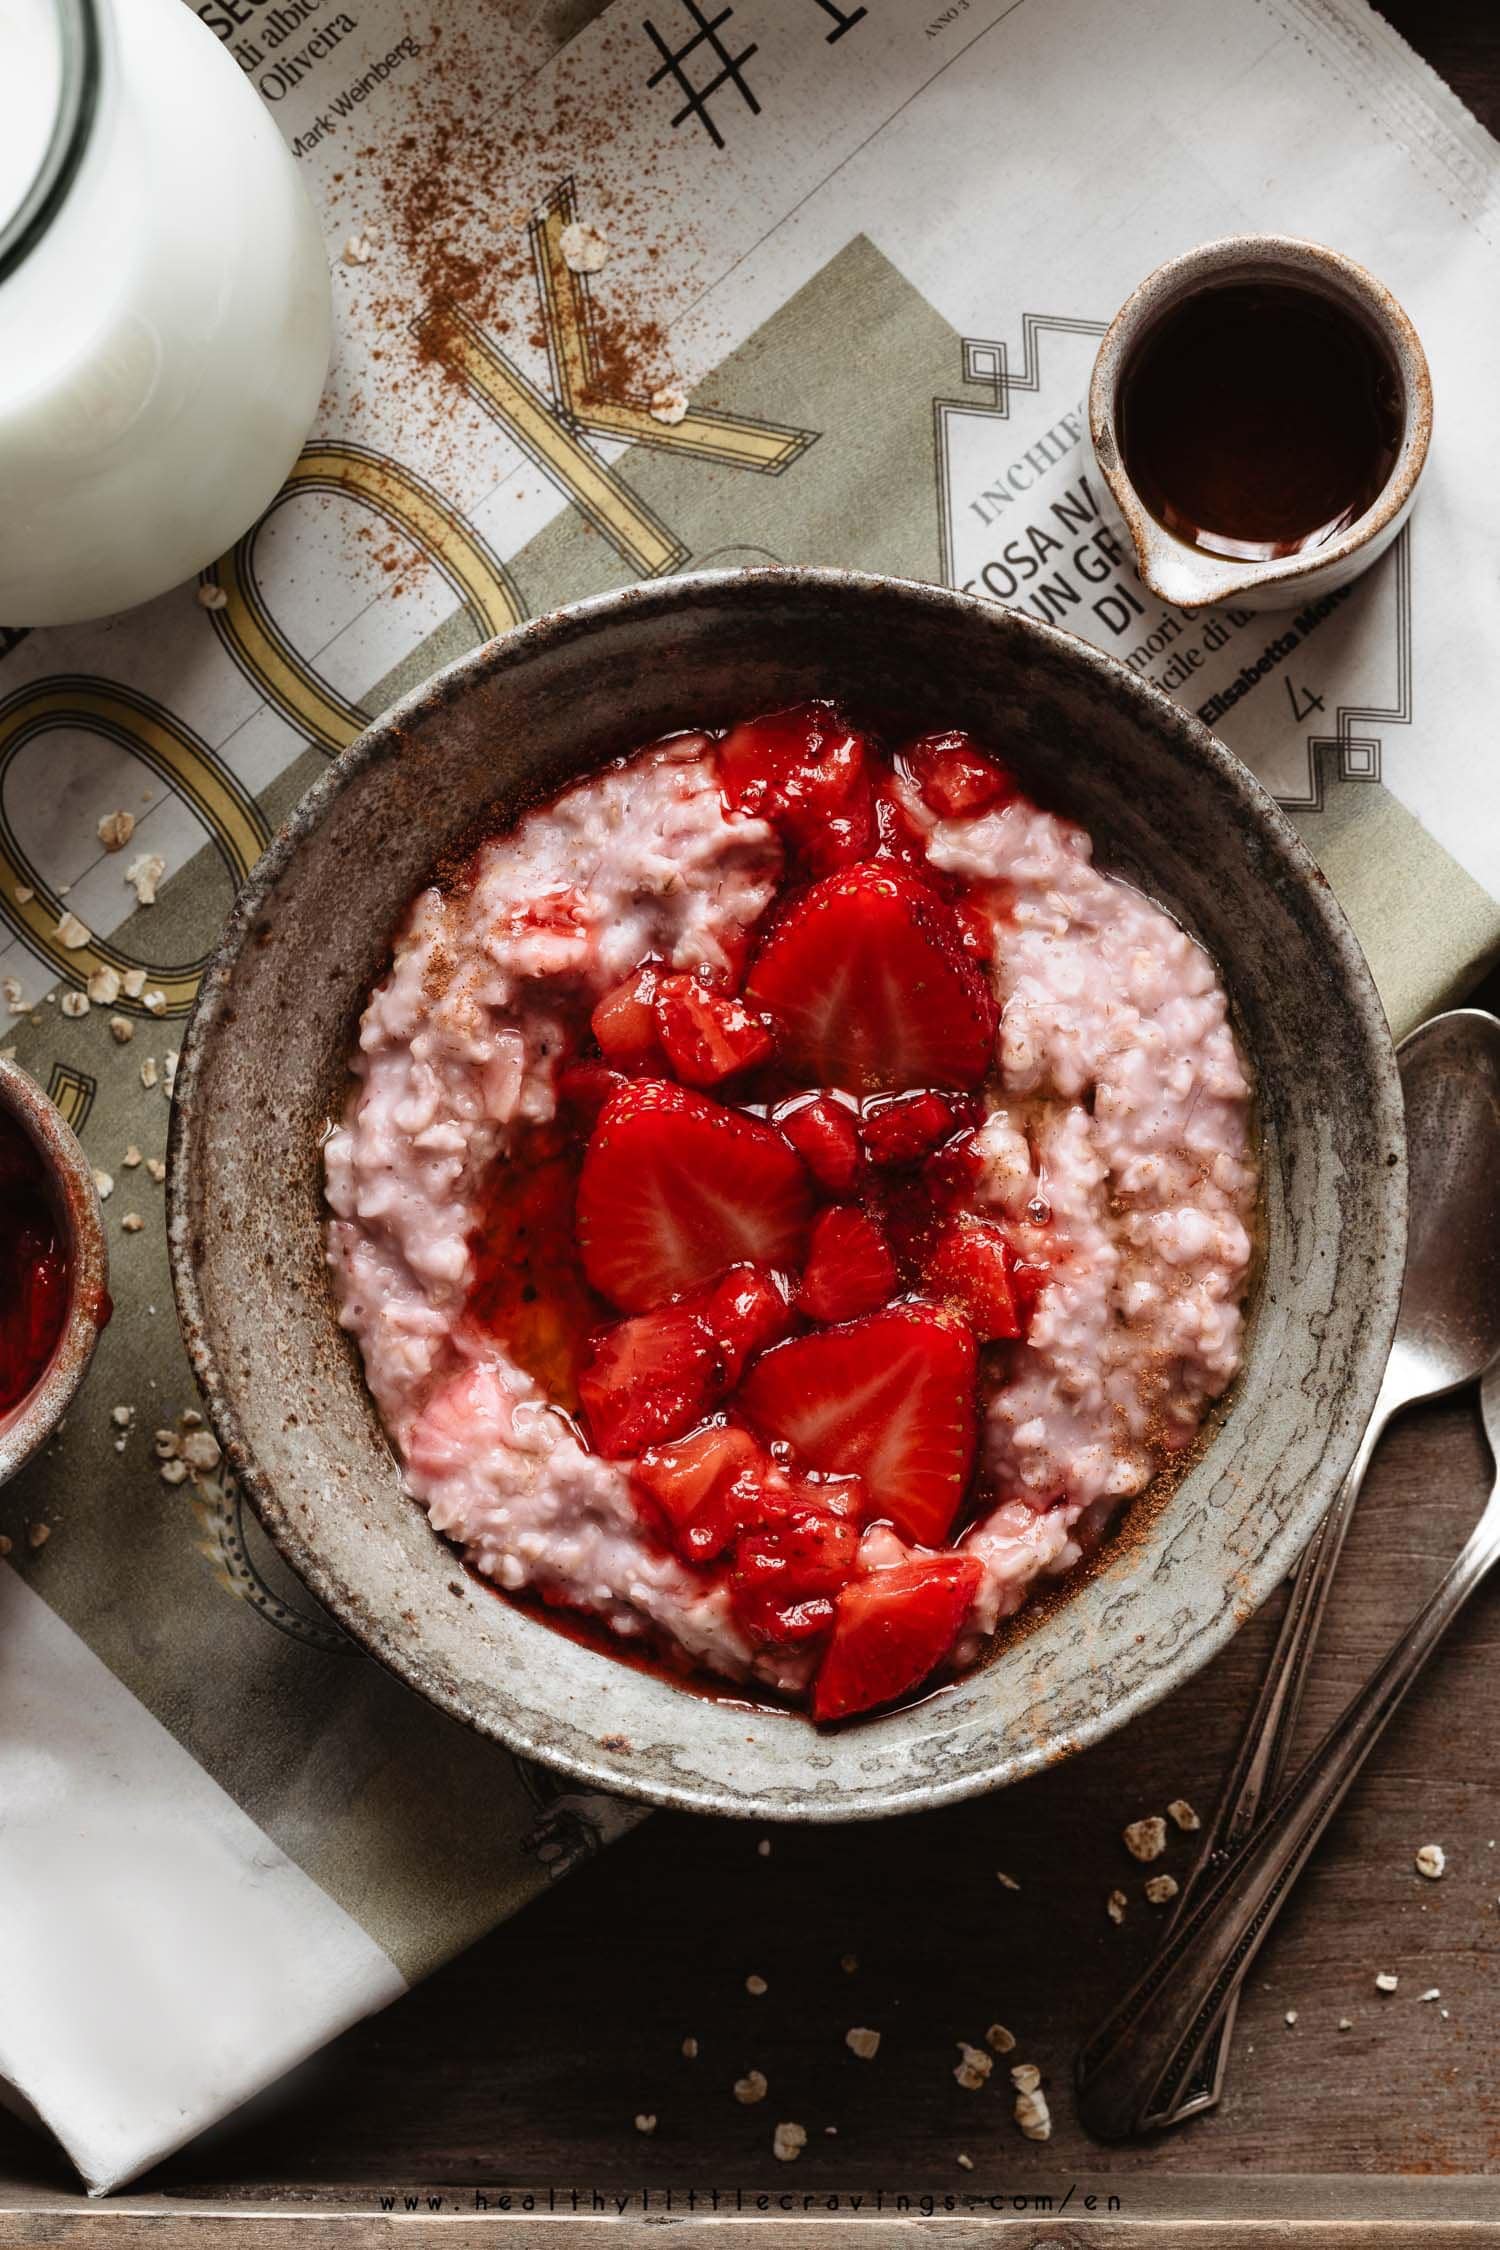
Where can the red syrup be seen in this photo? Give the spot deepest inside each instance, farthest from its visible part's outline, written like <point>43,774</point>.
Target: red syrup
<point>34,1271</point>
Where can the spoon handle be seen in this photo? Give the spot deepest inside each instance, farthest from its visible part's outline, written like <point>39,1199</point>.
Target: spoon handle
<point>1161,2027</point>
<point>1260,1762</point>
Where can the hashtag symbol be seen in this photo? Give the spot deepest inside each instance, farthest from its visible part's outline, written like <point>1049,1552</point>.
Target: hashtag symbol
<point>705,36</point>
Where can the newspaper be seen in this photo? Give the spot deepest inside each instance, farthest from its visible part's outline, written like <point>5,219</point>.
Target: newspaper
<point>856,260</point>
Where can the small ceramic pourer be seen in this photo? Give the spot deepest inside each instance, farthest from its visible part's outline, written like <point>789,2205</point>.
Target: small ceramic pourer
<point>1188,572</point>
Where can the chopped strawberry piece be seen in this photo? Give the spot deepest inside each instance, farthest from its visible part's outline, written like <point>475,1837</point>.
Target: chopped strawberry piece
<point>583,1088</point>
<point>649,1378</point>
<point>674,1190</point>
<point>705,1036</point>
<point>975,1267</point>
<point>950,1173</point>
<point>870,987</point>
<point>804,770</point>
<point>747,1312</point>
<point>956,777</point>
<point>891,1630</point>
<point>824,1135</point>
<point>790,1625</point>
<point>849,1267</point>
<point>908,1127</point>
<point>624,1021</point>
<point>681,1477</point>
<point>889,1398</point>
<point>806,1556</point>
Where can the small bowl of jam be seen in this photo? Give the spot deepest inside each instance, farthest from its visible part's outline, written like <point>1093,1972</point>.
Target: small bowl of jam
<point>1261,409</point>
<point>54,1295</point>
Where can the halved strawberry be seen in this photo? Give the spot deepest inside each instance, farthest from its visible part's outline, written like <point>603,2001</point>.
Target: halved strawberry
<point>805,1557</point>
<point>583,1088</point>
<point>891,1629</point>
<point>907,1127</point>
<point>849,1267</point>
<point>624,1021</point>
<point>826,1138</point>
<point>974,1266</point>
<point>705,1036</point>
<point>889,1398</point>
<point>805,771</point>
<point>870,988</point>
<point>955,776</point>
<point>675,1189</point>
<point>649,1378</point>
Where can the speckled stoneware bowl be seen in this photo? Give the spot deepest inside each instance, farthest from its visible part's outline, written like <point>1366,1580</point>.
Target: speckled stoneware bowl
<point>36,1416</point>
<point>263,1068</point>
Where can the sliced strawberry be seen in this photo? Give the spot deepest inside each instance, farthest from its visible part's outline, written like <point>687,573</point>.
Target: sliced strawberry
<point>649,1378</point>
<point>747,1311</point>
<point>974,1266</point>
<point>624,1022</point>
<point>826,1138</point>
<point>956,777</point>
<point>870,988</point>
<point>908,1127</point>
<point>891,1630</point>
<point>849,1267</point>
<point>807,1556</point>
<point>675,1189</point>
<point>889,1398</point>
<point>706,1037</point>
<point>583,1088</point>
<point>805,771</point>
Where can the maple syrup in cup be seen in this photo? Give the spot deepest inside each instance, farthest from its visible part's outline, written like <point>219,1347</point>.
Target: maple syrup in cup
<point>164,305</point>
<point>1261,409</point>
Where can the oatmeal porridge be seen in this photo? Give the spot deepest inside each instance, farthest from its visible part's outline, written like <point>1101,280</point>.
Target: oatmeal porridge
<point>789,1201</point>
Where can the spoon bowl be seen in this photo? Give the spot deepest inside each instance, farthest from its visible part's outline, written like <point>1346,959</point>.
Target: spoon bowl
<point>1449,1325</point>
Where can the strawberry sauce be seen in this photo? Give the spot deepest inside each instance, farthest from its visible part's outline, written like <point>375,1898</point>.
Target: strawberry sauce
<point>33,1268</point>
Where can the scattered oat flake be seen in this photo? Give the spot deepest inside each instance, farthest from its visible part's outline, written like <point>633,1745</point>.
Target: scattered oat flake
<point>122,1416</point>
<point>1033,2116</point>
<point>861,2041</point>
<point>104,1186</point>
<point>973,2068</point>
<point>210,596</point>
<point>1160,1888</point>
<point>1182,1814</point>
<point>584,249</point>
<point>1432,1993</point>
<point>145,873</point>
<point>645,2123</point>
<point>132,1223</point>
<point>1346,2023</point>
<point>1026,2078</point>
<point>200,1450</point>
<point>75,1003</point>
<point>154,1002</point>
<point>133,983</point>
<point>965,2162</point>
<point>37,1534</point>
<point>1146,1839</point>
<point>23,894</point>
<point>668,405</point>
<point>1385,1981</point>
<point>1291,2015</point>
<point>1003,2041</point>
<point>358,250</point>
<point>121,1030</point>
<point>756,1986</point>
<point>13,992</point>
<point>1008,1881</point>
<point>750,2088</point>
<point>104,986</point>
<point>788,2142</point>
<point>149,1071</point>
<point>1431,1860</point>
<point>116,830</point>
<point>165,1444</point>
<point>156,1168</point>
<point>1115,1905</point>
<point>72,933</point>
<point>763,1848</point>
<point>690,2049</point>
<point>173,1472</point>
<point>131,1158</point>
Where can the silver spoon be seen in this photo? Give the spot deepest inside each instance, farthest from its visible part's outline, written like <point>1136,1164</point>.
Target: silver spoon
<point>1151,2064</point>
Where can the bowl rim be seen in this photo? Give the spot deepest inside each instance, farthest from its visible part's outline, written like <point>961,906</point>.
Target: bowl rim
<point>513,649</point>
<point>71,1177</point>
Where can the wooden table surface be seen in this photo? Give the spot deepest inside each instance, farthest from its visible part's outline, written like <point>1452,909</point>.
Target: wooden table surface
<point>528,2060</point>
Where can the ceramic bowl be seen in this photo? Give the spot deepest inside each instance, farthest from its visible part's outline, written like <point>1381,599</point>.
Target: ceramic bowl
<point>262,1070</point>
<point>36,1416</point>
